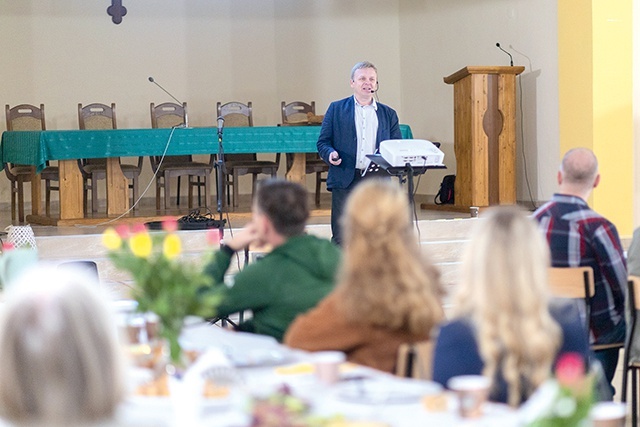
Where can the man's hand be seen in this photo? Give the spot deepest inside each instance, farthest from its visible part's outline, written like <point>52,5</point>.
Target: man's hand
<point>245,237</point>
<point>334,158</point>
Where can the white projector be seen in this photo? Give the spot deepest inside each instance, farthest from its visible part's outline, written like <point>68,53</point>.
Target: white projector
<point>416,152</point>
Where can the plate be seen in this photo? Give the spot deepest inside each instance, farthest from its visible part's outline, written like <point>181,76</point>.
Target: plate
<point>258,357</point>
<point>165,403</point>
<point>385,390</point>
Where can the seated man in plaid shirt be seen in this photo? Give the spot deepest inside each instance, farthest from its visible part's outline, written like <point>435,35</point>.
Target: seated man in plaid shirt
<point>578,236</point>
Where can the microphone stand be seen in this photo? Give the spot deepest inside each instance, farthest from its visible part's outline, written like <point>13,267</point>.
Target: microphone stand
<point>224,320</point>
<point>220,174</point>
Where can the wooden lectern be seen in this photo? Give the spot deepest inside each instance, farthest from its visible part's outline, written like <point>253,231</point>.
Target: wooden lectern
<point>484,100</point>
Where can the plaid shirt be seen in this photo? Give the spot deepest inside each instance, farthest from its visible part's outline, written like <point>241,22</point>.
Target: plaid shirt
<point>578,236</point>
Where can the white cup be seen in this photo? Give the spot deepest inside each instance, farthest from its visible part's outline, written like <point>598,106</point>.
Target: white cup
<point>608,414</point>
<point>472,392</point>
<point>327,365</point>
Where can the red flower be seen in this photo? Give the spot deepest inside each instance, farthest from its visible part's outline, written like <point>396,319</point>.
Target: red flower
<point>8,246</point>
<point>170,225</point>
<point>139,228</point>
<point>213,236</point>
<point>570,369</point>
<point>123,231</point>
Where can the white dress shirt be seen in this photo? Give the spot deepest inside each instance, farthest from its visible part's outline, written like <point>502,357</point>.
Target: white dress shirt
<point>366,130</point>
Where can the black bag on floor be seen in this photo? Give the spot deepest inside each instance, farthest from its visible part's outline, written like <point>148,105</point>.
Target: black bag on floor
<point>446,194</point>
<point>194,221</point>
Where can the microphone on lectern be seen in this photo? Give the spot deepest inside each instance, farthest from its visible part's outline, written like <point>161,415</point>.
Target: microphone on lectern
<point>220,125</point>
<point>511,57</point>
<point>186,117</point>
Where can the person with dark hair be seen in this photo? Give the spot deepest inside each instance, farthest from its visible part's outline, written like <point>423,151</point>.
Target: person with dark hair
<point>352,128</point>
<point>299,271</point>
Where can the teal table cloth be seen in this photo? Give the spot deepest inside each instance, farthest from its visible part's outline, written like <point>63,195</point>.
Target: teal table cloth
<point>39,147</point>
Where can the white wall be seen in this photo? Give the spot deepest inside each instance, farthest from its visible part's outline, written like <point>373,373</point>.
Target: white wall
<point>438,37</point>
<point>266,51</point>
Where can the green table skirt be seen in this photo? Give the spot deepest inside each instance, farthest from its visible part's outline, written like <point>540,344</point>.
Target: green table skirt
<point>39,147</point>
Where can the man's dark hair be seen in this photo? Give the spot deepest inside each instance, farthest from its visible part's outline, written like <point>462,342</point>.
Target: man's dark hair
<point>285,204</point>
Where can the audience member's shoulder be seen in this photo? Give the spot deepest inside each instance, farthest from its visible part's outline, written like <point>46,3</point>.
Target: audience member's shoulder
<point>544,209</point>
<point>460,327</point>
<point>312,239</point>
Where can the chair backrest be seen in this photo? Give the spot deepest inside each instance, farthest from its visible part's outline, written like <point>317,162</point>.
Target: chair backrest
<point>634,281</point>
<point>632,344</point>
<point>97,116</point>
<point>295,113</point>
<point>415,360</point>
<point>574,283</point>
<point>236,114</point>
<point>168,114</point>
<point>571,282</point>
<point>88,267</point>
<point>25,117</point>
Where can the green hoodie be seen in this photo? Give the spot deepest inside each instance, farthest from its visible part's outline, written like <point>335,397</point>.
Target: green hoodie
<point>288,281</point>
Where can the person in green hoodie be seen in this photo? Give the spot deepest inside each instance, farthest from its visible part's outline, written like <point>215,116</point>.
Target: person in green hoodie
<point>291,279</point>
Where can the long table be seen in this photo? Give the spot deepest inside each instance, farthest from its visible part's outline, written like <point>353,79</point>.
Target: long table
<point>38,147</point>
<point>256,366</point>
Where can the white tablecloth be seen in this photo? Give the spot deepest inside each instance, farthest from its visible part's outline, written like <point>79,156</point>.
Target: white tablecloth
<point>248,349</point>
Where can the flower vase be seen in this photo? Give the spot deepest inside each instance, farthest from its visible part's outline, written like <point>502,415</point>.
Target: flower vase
<point>185,390</point>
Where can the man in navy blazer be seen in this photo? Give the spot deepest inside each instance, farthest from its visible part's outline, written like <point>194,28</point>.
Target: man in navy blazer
<point>352,128</point>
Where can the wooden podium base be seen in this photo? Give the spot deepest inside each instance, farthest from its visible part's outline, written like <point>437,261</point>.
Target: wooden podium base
<point>449,208</point>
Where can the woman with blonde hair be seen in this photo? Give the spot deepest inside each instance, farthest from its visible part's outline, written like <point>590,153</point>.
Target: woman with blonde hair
<point>387,293</point>
<point>505,327</point>
<point>60,363</point>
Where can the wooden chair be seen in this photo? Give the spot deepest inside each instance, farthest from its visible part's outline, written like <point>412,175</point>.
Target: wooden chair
<point>573,283</point>
<point>631,365</point>
<point>237,114</point>
<point>168,115</point>
<point>98,117</point>
<point>415,360</point>
<point>27,117</point>
<point>295,114</point>
<point>577,283</point>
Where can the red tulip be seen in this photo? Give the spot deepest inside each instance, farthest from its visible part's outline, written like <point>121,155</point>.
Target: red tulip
<point>570,369</point>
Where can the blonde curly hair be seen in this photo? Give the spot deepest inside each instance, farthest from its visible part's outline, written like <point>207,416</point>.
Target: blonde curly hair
<point>504,291</point>
<point>385,281</point>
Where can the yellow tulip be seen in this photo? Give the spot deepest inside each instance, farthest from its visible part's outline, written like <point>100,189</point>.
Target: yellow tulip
<point>111,239</point>
<point>141,245</point>
<point>172,246</point>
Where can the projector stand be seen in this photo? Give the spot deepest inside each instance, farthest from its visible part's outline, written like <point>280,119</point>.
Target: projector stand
<point>379,166</point>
